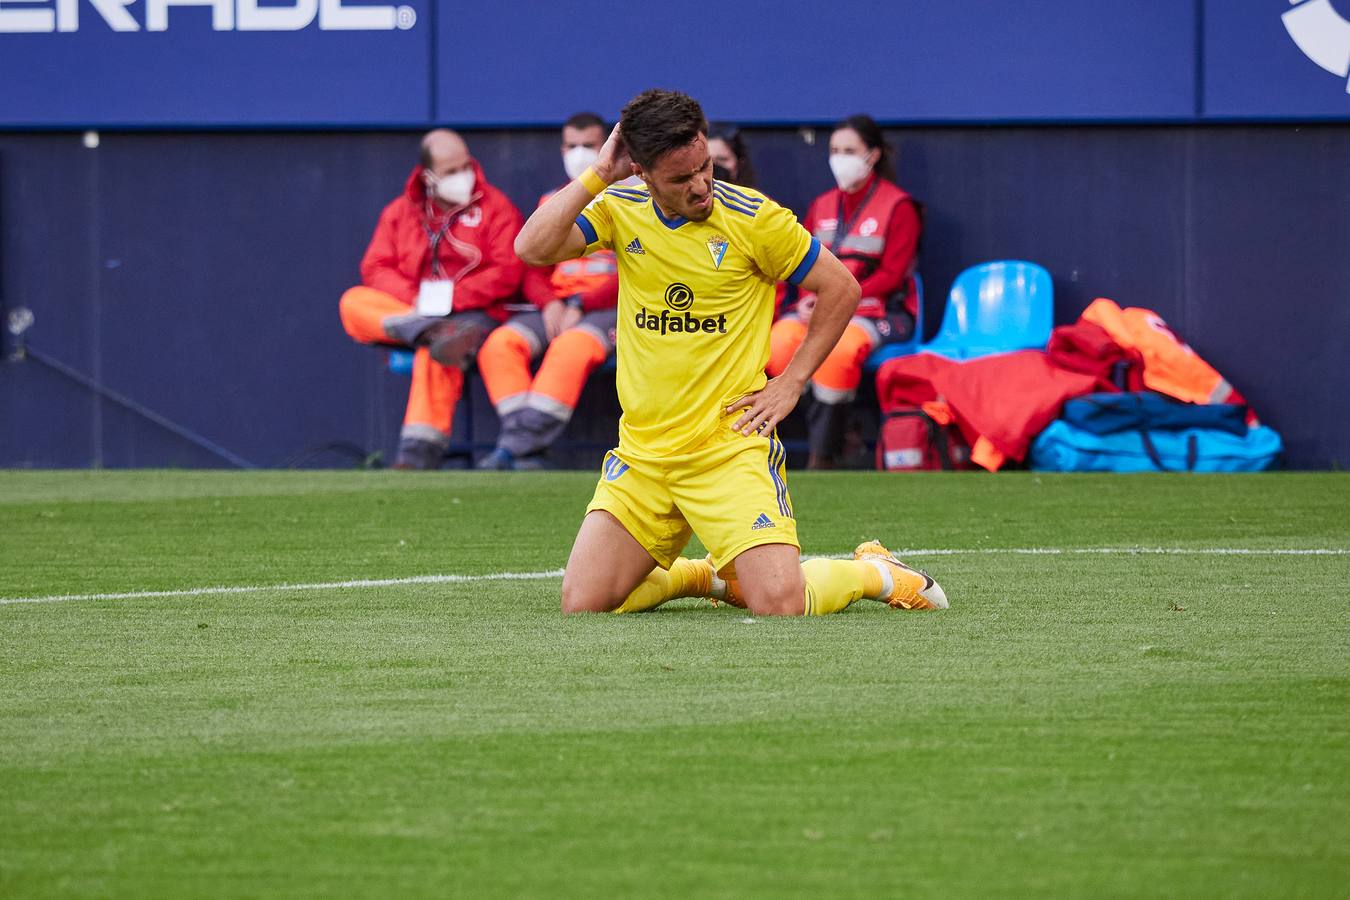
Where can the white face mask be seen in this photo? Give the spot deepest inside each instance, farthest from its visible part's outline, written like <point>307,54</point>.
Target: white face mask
<point>576,159</point>
<point>456,189</point>
<point>849,170</point>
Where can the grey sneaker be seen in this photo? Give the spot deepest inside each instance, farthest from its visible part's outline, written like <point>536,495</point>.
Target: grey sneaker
<point>416,455</point>
<point>452,344</point>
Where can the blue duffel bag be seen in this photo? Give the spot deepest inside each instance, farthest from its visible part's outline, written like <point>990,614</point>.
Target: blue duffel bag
<point>1132,410</point>
<point>1151,433</point>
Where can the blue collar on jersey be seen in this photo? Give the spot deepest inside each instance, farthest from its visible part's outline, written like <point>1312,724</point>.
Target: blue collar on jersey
<point>672,224</point>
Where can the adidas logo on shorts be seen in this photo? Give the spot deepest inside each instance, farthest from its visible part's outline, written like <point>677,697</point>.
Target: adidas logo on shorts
<point>635,246</point>
<point>762,522</point>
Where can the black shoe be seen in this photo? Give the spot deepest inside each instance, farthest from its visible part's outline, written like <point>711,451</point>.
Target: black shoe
<point>819,461</point>
<point>416,455</point>
<point>498,460</point>
<point>535,462</point>
<point>451,344</point>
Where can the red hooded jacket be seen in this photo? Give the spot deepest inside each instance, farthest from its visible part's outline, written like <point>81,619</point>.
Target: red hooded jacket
<point>477,252</point>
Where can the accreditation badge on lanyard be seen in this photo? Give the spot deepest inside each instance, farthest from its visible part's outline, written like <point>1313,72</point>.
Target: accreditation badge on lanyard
<point>437,294</point>
<point>436,298</point>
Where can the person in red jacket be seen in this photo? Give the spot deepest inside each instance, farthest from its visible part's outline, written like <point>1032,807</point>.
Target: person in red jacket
<point>873,227</point>
<point>576,302</point>
<point>436,277</point>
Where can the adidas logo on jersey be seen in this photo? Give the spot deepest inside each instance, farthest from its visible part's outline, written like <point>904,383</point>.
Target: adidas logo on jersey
<point>762,522</point>
<point>635,246</point>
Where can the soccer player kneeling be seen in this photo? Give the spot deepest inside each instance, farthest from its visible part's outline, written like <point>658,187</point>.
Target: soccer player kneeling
<point>698,260</point>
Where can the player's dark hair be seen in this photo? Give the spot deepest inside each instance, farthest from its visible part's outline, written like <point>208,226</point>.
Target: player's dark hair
<point>745,169</point>
<point>870,132</point>
<point>585,120</point>
<point>657,121</point>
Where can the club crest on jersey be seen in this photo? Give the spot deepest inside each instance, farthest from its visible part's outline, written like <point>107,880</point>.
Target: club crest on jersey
<point>717,246</point>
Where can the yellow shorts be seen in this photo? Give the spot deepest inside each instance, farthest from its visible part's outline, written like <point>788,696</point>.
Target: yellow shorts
<point>731,492</point>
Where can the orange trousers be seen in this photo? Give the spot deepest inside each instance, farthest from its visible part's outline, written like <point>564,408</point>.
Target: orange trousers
<point>435,388</point>
<point>837,379</point>
<point>504,362</point>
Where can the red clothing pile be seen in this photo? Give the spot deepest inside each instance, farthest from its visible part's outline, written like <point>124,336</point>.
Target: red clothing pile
<point>1002,402</point>
<point>999,402</point>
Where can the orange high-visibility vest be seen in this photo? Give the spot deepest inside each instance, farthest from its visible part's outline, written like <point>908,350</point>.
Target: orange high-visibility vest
<point>583,274</point>
<point>1170,366</point>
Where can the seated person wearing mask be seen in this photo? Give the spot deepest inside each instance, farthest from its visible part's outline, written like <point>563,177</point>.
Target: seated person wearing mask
<point>873,227</point>
<point>436,277</point>
<point>575,321</point>
<point>730,155</point>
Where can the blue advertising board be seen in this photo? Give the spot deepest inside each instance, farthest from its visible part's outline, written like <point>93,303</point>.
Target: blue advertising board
<point>1277,59</point>
<point>770,61</point>
<point>413,63</point>
<point>139,63</point>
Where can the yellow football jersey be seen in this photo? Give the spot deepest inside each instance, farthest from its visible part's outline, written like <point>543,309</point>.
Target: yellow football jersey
<point>695,307</point>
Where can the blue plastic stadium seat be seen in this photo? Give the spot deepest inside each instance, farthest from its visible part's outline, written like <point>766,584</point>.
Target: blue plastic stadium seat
<point>400,361</point>
<point>891,351</point>
<point>996,307</point>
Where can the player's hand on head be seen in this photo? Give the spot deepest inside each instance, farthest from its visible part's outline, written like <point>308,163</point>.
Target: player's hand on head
<point>764,409</point>
<point>614,164</point>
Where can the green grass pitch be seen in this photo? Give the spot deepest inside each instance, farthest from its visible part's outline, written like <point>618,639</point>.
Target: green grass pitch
<point>1078,724</point>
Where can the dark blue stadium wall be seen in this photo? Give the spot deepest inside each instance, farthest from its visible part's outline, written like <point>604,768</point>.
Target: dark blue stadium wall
<point>198,274</point>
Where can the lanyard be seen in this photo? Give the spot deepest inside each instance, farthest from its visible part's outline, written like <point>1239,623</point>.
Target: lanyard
<point>434,239</point>
<point>841,227</point>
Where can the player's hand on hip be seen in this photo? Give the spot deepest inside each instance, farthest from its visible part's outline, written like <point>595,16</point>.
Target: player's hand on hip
<point>614,164</point>
<point>764,409</point>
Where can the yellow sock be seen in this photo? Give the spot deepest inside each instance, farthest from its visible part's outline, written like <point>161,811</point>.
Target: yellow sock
<point>686,578</point>
<point>832,584</point>
<point>873,585</point>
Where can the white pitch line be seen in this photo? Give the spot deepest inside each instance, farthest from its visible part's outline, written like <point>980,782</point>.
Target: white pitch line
<point>557,573</point>
<point>317,586</point>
